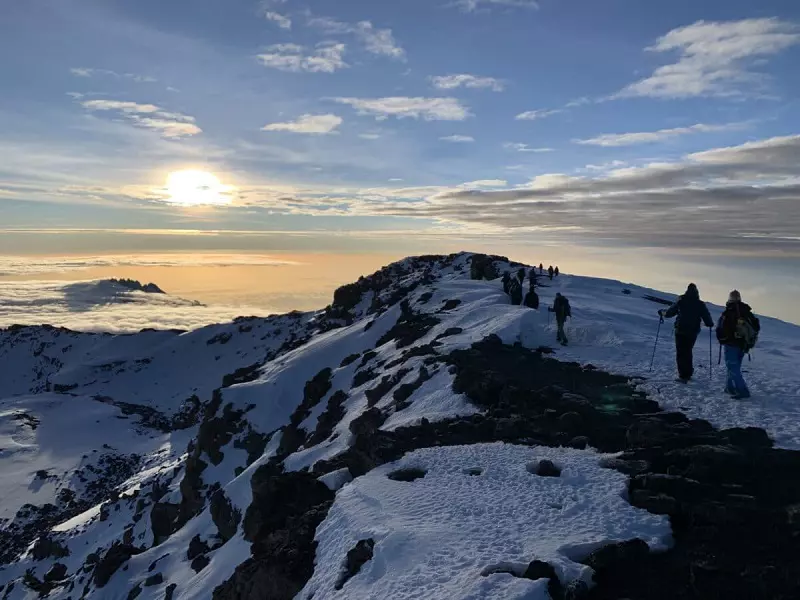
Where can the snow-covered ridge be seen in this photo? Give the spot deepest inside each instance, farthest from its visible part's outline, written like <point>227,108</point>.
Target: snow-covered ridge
<point>208,463</point>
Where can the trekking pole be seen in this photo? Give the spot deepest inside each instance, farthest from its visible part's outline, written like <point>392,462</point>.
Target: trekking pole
<point>658,332</point>
<point>719,361</point>
<point>710,355</point>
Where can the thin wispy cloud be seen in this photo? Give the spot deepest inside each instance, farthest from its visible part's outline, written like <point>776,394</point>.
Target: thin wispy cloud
<point>282,21</point>
<point>476,5</point>
<point>327,57</point>
<point>649,137</point>
<point>308,124</point>
<point>88,73</point>
<point>518,147</point>
<point>402,107</point>
<point>458,139</point>
<point>451,82</point>
<point>718,58</point>
<point>533,115</point>
<point>170,125</point>
<point>375,40</point>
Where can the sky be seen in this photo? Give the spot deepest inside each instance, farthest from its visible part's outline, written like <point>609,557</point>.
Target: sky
<point>645,132</point>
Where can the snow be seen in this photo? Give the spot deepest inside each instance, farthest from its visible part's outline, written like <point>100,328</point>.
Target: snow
<point>435,537</point>
<point>335,480</point>
<point>616,332</point>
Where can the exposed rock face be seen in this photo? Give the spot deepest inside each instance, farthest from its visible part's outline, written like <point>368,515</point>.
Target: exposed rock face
<point>357,557</point>
<point>114,558</point>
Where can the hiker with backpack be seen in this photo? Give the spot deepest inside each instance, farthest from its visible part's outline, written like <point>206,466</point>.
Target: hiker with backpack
<point>515,291</point>
<point>563,312</point>
<point>556,272</point>
<point>737,332</point>
<point>521,275</point>
<point>532,298</point>
<point>690,311</point>
<point>550,272</point>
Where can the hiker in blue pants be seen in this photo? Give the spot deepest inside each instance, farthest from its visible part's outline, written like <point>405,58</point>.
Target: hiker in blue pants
<point>737,331</point>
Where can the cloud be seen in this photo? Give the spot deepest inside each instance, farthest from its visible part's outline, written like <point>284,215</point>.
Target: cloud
<point>648,137</point>
<point>458,139</point>
<point>532,115</point>
<point>737,198</point>
<point>327,57</point>
<point>15,266</point>
<point>715,58</point>
<point>280,20</point>
<point>428,109</point>
<point>475,5</point>
<point>87,72</point>
<point>375,40</point>
<point>170,125</point>
<point>450,82</point>
<point>106,306</point>
<point>484,183</point>
<point>309,124</point>
<point>524,147</point>
<point>369,136</point>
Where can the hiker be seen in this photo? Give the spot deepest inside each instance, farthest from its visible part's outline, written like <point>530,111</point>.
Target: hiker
<point>550,271</point>
<point>737,331</point>
<point>515,291</point>
<point>541,269</point>
<point>506,281</point>
<point>521,275</point>
<point>690,311</point>
<point>532,276</point>
<point>532,298</point>
<point>556,272</point>
<point>563,312</point>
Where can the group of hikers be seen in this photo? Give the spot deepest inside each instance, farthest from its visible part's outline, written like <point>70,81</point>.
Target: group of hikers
<point>737,334</point>
<point>737,328</point>
<point>513,287</point>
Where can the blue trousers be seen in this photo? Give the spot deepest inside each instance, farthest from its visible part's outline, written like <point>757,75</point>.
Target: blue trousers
<point>735,384</point>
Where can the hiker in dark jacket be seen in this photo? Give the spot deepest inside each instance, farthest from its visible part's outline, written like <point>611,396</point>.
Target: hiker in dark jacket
<point>556,272</point>
<point>532,298</point>
<point>690,311</point>
<point>550,271</point>
<point>541,269</point>
<point>737,331</point>
<point>563,312</point>
<point>506,281</point>
<point>515,291</point>
<point>521,276</point>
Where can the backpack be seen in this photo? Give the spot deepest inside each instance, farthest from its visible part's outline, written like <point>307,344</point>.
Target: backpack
<point>739,328</point>
<point>561,308</point>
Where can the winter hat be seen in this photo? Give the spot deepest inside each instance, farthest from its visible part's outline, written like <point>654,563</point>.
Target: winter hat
<point>692,287</point>
<point>734,296</point>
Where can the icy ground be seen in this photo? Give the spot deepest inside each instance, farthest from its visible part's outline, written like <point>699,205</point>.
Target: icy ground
<point>167,420</point>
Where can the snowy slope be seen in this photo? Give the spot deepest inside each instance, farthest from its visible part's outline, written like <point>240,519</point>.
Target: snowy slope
<point>212,444</point>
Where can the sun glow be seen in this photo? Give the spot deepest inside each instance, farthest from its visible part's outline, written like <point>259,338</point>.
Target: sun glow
<point>197,188</point>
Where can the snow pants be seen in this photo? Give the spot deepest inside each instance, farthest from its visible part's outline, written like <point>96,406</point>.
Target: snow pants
<point>562,336</point>
<point>684,344</point>
<point>735,384</point>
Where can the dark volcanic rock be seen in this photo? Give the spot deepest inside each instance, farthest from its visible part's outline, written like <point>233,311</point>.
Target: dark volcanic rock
<point>407,474</point>
<point>357,557</point>
<point>224,515</point>
<point>112,560</point>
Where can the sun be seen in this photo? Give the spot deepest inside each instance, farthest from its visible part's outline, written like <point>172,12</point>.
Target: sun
<point>197,188</point>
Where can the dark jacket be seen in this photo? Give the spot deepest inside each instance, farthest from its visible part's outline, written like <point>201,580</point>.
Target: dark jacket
<point>561,308</point>
<point>727,324</point>
<point>691,311</point>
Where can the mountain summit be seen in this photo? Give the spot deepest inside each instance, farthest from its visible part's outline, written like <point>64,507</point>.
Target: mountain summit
<point>418,438</point>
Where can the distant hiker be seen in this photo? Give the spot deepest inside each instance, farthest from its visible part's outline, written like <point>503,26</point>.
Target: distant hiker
<point>532,298</point>
<point>550,271</point>
<point>556,272</point>
<point>541,269</point>
<point>563,312</point>
<point>515,291</point>
<point>532,276</point>
<point>506,281</point>
<point>737,331</point>
<point>521,276</point>
<point>690,311</point>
